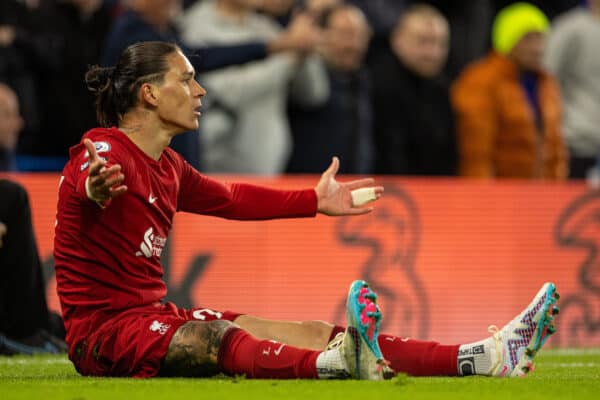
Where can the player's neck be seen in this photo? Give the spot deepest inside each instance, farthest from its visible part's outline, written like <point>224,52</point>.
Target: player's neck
<point>150,139</point>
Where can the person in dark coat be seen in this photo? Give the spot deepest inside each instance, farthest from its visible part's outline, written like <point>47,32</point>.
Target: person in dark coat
<point>413,120</point>
<point>343,125</point>
<point>46,47</point>
<point>76,30</point>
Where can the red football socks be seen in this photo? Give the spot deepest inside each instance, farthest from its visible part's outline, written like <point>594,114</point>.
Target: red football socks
<point>241,353</point>
<point>416,357</point>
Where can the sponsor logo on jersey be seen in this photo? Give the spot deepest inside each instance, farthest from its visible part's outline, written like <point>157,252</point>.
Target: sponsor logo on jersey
<point>152,199</point>
<point>101,147</point>
<point>159,327</point>
<point>152,245</point>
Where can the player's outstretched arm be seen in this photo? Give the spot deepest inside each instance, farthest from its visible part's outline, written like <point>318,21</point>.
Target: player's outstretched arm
<point>337,198</point>
<point>102,184</point>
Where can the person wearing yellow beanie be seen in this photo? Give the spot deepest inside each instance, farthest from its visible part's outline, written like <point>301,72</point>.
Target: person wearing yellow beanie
<point>508,108</point>
<point>514,22</point>
<point>519,32</point>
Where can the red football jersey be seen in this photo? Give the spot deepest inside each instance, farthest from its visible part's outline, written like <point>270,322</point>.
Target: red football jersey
<point>108,258</point>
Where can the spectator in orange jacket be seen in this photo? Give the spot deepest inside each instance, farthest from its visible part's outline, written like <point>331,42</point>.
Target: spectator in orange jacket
<point>508,108</point>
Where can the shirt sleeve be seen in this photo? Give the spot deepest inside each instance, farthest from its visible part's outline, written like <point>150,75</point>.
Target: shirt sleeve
<point>202,195</point>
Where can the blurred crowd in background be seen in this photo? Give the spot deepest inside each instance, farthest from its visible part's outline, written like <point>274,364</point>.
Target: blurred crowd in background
<point>478,88</point>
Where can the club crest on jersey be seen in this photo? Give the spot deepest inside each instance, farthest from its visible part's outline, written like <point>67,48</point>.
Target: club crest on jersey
<point>152,245</point>
<point>101,147</point>
<point>159,327</point>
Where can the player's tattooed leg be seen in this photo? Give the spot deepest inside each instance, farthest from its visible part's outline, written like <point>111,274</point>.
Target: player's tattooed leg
<point>194,349</point>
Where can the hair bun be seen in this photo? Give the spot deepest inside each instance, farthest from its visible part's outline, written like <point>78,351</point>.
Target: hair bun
<point>98,78</point>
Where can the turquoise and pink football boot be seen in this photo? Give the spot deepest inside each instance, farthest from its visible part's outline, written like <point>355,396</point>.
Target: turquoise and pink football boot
<point>359,345</point>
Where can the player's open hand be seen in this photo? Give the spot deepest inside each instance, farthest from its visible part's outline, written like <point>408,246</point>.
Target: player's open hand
<point>102,183</point>
<point>336,198</point>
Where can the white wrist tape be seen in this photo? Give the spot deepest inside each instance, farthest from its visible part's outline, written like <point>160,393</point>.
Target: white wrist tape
<point>363,196</point>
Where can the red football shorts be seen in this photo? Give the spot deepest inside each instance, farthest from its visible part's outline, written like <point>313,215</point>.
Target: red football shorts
<point>134,342</point>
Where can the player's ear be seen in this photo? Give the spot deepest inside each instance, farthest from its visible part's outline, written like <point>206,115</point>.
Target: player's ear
<point>148,94</point>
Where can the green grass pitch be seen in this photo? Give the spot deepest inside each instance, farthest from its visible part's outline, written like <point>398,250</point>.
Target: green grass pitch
<point>559,374</point>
